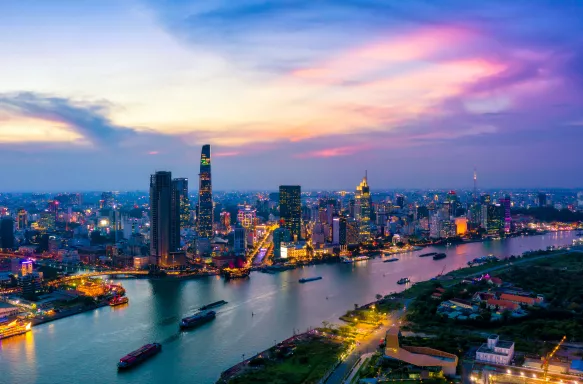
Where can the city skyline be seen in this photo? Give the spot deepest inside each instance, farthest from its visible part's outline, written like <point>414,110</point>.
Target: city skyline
<point>416,93</point>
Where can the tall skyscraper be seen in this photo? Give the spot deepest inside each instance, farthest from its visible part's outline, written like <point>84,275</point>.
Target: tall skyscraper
<point>180,214</point>
<point>290,209</point>
<point>362,208</point>
<point>180,187</point>
<point>160,216</point>
<point>204,223</point>
<point>339,231</point>
<point>505,203</point>
<point>7,233</point>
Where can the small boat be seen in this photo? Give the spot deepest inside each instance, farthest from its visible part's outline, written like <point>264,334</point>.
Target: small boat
<point>439,256</point>
<point>390,260</point>
<point>308,279</point>
<point>403,280</point>
<point>118,300</point>
<point>197,319</point>
<point>213,305</point>
<point>14,328</point>
<point>428,254</point>
<point>139,355</point>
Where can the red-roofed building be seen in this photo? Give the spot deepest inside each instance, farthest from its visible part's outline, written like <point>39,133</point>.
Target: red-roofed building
<point>482,296</point>
<point>440,290</point>
<point>496,281</point>
<point>502,304</point>
<point>436,295</point>
<point>518,299</point>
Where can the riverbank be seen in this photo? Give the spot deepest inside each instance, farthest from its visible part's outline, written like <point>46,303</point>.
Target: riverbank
<point>61,315</point>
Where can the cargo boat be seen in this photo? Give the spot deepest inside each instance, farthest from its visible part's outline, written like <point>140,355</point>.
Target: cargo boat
<point>14,328</point>
<point>118,300</point>
<point>138,356</point>
<point>308,279</point>
<point>428,254</point>
<point>213,305</point>
<point>390,260</point>
<point>404,280</point>
<point>439,256</point>
<point>197,319</point>
<point>236,273</point>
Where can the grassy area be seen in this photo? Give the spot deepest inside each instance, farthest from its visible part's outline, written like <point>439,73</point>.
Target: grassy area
<point>557,278</point>
<point>310,361</point>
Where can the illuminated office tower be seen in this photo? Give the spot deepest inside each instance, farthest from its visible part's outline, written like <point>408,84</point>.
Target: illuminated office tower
<point>180,211</point>
<point>505,204</point>
<point>290,209</point>
<point>205,195</point>
<point>160,216</point>
<point>362,208</point>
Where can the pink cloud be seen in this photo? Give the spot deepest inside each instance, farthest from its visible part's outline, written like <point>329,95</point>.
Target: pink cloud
<point>226,154</point>
<point>153,153</point>
<point>333,152</point>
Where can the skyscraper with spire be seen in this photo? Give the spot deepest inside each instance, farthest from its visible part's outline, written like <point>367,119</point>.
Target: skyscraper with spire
<point>204,224</point>
<point>362,208</point>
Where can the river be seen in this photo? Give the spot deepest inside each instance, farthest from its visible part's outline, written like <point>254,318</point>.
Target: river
<point>261,310</point>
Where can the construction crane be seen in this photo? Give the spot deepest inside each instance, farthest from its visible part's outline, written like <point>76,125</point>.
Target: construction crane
<point>549,356</point>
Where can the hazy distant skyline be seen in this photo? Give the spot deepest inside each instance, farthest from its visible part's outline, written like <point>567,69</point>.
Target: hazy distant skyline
<point>97,95</point>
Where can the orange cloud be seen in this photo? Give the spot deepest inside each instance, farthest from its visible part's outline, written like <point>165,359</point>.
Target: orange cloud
<point>333,152</point>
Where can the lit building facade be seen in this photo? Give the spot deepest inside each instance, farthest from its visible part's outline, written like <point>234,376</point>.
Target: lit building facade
<point>280,235</point>
<point>290,209</point>
<point>496,351</point>
<point>362,209</point>
<point>160,216</point>
<point>247,216</point>
<point>205,195</point>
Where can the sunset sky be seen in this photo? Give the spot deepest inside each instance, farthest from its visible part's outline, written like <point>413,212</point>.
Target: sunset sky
<point>96,95</point>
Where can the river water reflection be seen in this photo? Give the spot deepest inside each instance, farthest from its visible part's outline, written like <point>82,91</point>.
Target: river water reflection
<point>260,311</point>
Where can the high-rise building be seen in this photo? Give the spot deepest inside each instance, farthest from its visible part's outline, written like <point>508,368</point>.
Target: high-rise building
<point>239,240</point>
<point>22,219</point>
<point>160,216</point>
<point>179,211</point>
<point>182,200</point>
<point>290,209</point>
<point>495,215</point>
<point>542,199</point>
<point>400,201</point>
<point>7,233</point>
<point>205,220</point>
<point>107,200</point>
<point>280,235</point>
<point>339,231</point>
<point>362,209</point>
<point>505,204</point>
<point>247,216</point>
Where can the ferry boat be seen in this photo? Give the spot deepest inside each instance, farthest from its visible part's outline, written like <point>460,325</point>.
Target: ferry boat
<point>14,328</point>
<point>236,273</point>
<point>403,280</point>
<point>439,256</point>
<point>428,254</point>
<point>308,279</point>
<point>118,300</point>
<point>197,319</point>
<point>354,259</point>
<point>390,260</point>
<point>213,305</point>
<point>139,355</point>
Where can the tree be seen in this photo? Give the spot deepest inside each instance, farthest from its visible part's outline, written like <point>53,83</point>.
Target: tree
<point>355,307</point>
<point>379,296</point>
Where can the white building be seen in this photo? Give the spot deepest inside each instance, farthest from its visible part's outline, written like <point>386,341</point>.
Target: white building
<point>496,351</point>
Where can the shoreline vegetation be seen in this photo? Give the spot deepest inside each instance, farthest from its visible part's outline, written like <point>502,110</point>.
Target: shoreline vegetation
<point>446,336</point>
